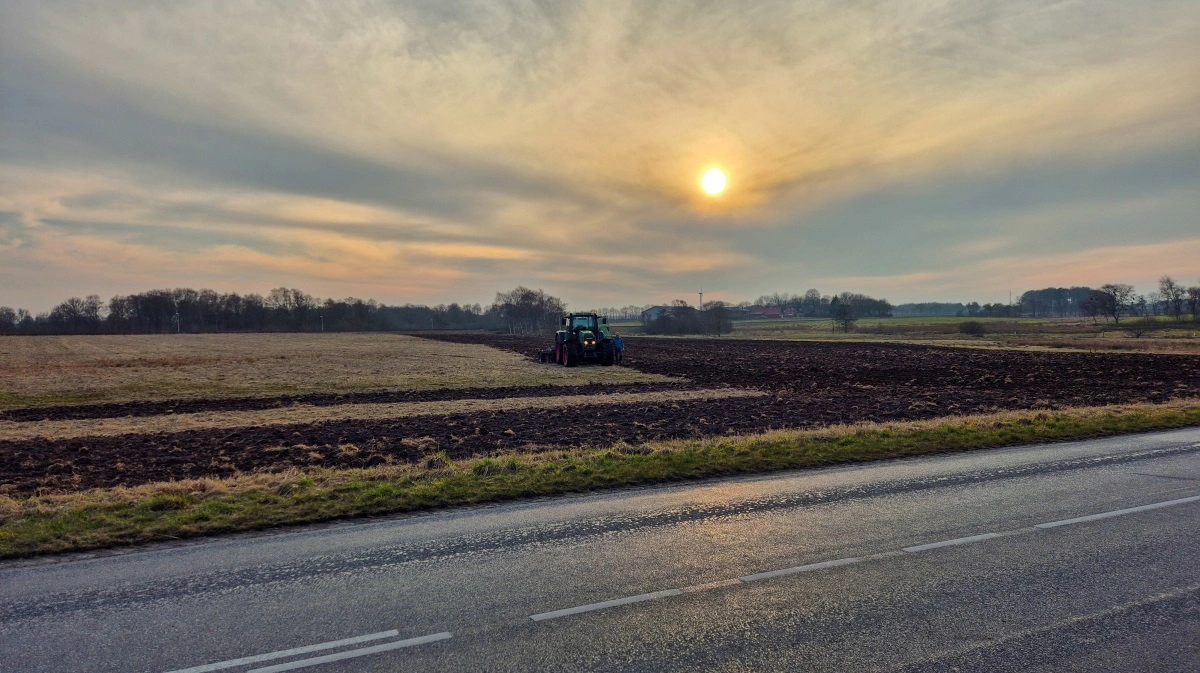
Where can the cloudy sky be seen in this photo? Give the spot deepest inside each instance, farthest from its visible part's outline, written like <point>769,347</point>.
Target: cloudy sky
<point>433,151</point>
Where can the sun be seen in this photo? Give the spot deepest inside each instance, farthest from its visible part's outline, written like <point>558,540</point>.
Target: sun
<point>713,181</point>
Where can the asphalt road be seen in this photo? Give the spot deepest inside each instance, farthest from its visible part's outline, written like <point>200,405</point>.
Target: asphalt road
<point>831,570</point>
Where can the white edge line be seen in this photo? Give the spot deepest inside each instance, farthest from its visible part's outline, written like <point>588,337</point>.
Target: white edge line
<point>565,612</point>
<point>1117,512</point>
<point>799,569</point>
<point>280,654</point>
<point>951,543</point>
<point>350,654</point>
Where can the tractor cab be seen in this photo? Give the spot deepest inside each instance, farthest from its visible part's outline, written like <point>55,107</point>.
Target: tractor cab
<point>589,322</point>
<point>583,337</point>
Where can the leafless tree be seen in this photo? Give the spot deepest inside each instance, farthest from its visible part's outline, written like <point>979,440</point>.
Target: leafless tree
<point>811,302</point>
<point>1093,306</point>
<point>842,314</point>
<point>1172,296</point>
<point>77,315</point>
<point>1115,299</point>
<point>716,318</point>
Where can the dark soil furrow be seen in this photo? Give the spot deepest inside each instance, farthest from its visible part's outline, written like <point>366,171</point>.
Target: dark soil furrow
<point>183,406</point>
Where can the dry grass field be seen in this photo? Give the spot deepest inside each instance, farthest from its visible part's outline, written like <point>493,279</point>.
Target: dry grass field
<point>58,370</point>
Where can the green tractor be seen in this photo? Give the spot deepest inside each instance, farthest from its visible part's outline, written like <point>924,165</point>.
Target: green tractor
<point>582,337</point>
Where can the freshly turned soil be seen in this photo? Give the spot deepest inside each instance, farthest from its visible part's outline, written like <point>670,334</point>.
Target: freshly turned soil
<point>811,384</point>
<point>1065,378</point>
<point>187,406</point>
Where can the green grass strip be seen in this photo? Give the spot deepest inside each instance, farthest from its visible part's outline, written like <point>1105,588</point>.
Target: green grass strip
<point>37,525</point>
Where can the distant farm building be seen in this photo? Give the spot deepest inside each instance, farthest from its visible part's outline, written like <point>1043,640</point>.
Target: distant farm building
<point>656,312</point>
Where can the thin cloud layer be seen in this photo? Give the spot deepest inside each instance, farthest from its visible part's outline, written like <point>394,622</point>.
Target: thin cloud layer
<point>423,151</point>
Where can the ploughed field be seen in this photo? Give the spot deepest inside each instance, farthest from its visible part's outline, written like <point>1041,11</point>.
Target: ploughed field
<point>669,389</point>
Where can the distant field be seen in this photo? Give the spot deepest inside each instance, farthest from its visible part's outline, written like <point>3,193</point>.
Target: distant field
<point>1169,335</point>
<point>58,370</point>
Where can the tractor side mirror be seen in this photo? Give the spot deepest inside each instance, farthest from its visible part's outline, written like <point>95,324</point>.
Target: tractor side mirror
<point>564,322</point>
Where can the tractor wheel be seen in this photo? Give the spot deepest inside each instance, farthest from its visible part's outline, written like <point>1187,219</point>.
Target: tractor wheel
<point>606,356</point>
<point>571,359</point>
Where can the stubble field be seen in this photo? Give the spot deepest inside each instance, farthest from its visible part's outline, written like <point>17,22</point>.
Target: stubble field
<point>45,371</point>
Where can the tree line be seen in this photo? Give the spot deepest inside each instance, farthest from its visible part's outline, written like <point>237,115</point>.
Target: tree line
<point>1116,300</point>
<point>185,310</point>
<point>813,304</point>
<point>1111,301</point>
<point>524,310</point>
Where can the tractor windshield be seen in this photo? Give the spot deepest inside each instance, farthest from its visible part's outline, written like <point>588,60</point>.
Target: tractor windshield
<point>583,322</point>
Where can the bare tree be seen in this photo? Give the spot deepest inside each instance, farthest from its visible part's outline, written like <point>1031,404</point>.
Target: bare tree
<point>716,318</point>
<point>93,311</point>
<point>1115,299</point>
<point>1093,306</point>
<point>1154,301</point>
<point>811,302</point>
<point>1172,296</point>
<point>75,315</point>
<point>842,314</point>
<point>1193,301</point>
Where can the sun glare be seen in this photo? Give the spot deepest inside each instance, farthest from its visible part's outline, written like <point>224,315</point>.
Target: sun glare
<point>713,181</point>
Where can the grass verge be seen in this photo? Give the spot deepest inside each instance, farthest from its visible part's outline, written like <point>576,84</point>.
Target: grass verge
<point>35,525</point>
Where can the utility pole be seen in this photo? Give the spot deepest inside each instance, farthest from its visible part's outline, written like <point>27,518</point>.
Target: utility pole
<point>702,299</point>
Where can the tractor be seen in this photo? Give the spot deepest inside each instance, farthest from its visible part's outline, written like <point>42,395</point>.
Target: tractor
<point>582,337</point>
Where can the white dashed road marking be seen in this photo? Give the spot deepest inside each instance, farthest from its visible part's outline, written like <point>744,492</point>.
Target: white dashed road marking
<point>350,654</point>
<point>283,654</point>
<point>1117,512</point>
<point>951,543</point>
<point>590,607</point>
<point>799,569</point>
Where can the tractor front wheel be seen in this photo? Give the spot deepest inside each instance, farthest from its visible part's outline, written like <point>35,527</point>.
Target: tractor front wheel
<point>571,358</point>
<point>607,354</point>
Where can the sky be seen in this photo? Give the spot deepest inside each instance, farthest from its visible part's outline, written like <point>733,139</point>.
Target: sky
<point>429,151</point>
